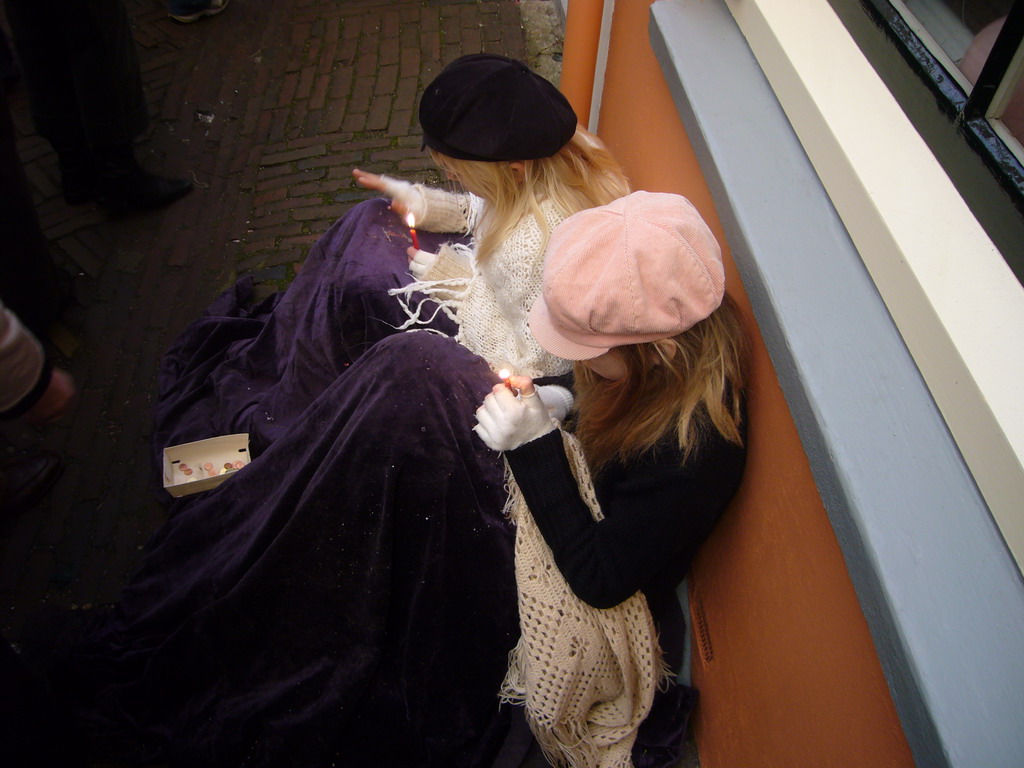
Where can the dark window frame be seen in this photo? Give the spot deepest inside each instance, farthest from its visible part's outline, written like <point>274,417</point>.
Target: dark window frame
<point>963,113</point>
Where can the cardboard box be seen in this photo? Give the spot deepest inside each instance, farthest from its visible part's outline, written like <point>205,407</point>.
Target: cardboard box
<point>215,451</point>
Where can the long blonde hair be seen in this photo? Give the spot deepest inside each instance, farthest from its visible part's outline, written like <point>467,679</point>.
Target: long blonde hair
<point>582,174</point>
<point>689,386</point>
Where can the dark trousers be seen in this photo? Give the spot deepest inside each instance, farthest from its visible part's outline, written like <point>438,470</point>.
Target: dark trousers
<point>81,71</point>
<point>28,283</point>
<point>8,69</point>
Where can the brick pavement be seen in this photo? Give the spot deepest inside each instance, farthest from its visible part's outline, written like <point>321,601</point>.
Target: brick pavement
<point>267,106</point>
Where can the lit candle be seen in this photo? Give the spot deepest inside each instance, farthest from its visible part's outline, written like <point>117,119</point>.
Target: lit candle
<point>411,221</point>
<point>505,374</point>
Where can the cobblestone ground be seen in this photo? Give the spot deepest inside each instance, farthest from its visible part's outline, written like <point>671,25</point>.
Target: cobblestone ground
<point>267,107</point>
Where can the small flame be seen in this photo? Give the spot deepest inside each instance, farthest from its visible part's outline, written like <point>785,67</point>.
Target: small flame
<point>504,373</point>
<point>410,220</point>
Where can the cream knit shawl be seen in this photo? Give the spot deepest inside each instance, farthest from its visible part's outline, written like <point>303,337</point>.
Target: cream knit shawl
<point>586,676</point>
<point>491,302</point>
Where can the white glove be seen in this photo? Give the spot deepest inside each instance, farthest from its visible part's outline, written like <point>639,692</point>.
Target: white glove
<point>408,195</point>
<point>558,399</point>
<point>422,263</point>
<point>505,422</point>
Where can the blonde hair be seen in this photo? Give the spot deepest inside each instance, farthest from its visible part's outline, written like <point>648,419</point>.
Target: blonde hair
<point>582,174</point>
<point>690,385</point>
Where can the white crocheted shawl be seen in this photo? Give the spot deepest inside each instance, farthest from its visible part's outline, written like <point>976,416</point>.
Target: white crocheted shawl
<point>491,302</point>
<point>585,675</point>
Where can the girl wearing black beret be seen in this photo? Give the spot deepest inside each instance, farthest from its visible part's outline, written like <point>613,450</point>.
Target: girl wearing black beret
<point>511,140</point>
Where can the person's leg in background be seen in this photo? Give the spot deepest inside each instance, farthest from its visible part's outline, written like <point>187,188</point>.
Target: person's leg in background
<point>8,66</point>
<point>28,280</point>
<point>81,71</point>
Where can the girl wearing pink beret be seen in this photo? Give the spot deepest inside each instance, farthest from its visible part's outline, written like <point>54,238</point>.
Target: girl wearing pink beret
<point>610,517</point>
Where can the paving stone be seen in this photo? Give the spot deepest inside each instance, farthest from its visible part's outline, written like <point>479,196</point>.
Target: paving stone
<point>294,154</point>
<point>270,274</point>
<point>316,187</point>
<point>288,177</point>
<point>85,257</point>
<point>288,257</point>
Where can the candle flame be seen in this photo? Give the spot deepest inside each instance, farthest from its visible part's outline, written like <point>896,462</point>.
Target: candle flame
<point>410,220</point>
<point>504,373</point>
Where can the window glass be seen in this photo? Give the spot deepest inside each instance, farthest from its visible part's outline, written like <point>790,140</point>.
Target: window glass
<point>962,33</point>
<point>953,24</point>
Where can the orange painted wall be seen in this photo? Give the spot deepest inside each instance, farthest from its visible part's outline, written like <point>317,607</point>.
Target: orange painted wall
<point>793,680</point>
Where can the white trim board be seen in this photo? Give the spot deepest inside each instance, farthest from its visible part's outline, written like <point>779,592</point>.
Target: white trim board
<point>957,304</point>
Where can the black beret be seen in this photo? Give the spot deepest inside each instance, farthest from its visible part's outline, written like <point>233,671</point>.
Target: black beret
<point>489,107</point>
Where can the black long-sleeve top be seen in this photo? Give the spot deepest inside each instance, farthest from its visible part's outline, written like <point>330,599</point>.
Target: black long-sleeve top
<point>657,512</point>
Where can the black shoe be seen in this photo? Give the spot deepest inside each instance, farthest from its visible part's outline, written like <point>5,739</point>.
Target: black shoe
<point>139,191</point>
<point>24,481</point>
<point>124,185</point>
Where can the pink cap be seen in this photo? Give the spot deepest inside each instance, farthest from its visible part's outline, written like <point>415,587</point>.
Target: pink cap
<point>642,268</point>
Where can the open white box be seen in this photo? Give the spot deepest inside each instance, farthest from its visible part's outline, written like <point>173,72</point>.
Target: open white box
<point>217,451</point>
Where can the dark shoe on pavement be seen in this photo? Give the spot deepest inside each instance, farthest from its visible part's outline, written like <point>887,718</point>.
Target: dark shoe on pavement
<point>213,9</point>
<point>25,480</point>
<point>138,190</point>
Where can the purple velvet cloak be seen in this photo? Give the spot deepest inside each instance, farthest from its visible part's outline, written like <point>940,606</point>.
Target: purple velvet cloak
<point>257,370</point>
<point>349,598</point>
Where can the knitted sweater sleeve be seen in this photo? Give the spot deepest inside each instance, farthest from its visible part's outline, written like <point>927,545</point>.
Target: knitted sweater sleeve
<point>448,211</point>
<point>451,264</point>
<point>657,512</point>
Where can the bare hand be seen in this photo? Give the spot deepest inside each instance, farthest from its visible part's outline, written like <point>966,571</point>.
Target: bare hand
<point>524,384</point>
<point>56,399</point>
<point>368,180</point>
<point>387,187</point>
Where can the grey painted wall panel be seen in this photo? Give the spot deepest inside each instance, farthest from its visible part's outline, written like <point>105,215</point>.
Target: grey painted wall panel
<point>941,594</point>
